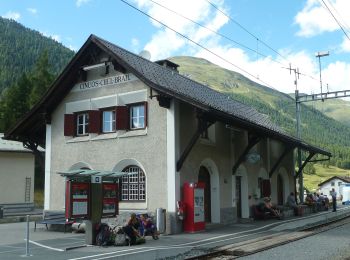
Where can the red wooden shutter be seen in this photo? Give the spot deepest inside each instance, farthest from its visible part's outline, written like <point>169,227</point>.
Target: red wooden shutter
<point>94,121</point>
<point>146,114</point>
<point>122,117</point>
<point>266,188</point>
<point>69,124</point>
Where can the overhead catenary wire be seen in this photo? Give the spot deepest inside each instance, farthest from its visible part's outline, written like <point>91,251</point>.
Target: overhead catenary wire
<point>339,24</point>
<point>198,44</point>
<point>219,34</point>
<point>345,25</point>
<point>247,31</point>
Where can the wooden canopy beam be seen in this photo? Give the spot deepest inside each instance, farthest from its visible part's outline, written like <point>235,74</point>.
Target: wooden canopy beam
<point>203,124</point>
<point>304,164</point>
<point>251,142</point>
<point>279,160</point>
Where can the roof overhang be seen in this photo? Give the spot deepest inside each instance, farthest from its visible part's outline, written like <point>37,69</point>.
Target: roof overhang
<point>85,175</point>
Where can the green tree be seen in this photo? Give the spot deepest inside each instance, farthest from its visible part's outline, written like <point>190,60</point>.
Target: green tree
<point>41,79</point>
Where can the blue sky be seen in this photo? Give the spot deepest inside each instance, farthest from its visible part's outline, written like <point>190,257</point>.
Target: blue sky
<point>296,30</point>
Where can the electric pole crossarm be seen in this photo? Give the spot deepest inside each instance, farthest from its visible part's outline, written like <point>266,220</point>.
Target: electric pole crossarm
<point>323,96</point>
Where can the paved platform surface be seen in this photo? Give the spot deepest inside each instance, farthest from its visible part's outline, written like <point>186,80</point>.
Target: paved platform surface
<point>56,245</point>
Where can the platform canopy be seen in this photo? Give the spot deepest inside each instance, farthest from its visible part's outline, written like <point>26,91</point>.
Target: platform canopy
<point>84,175</point>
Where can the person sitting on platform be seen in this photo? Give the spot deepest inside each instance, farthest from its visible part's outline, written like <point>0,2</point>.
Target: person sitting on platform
<point>292,204</point>
<point>131,229</point>
<point>268,207</point>
<point>148,227</point>
<point>309,201</point>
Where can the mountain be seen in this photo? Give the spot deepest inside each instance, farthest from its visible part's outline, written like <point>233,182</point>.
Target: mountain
<point>316,127</point>
<point>21,47</point>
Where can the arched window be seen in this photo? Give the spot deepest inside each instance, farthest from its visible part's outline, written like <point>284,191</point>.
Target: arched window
<point>133,186</point>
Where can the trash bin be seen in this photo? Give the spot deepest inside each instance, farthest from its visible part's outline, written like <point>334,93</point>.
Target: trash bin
<point>1,212</point>
<point>160,214</point>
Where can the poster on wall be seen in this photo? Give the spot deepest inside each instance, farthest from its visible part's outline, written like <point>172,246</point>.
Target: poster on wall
<point>110,199</point>
<point>198,205</point>
<point>79,199</point>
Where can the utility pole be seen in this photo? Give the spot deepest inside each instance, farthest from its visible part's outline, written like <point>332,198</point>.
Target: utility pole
<point>319,55</point>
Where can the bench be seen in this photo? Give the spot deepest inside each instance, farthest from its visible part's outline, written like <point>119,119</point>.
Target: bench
<point>54,217</point>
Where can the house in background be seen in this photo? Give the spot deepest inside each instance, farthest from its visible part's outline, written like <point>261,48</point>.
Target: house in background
<point>335,182</point>
<point>17,176</point>
<point>112,110</point>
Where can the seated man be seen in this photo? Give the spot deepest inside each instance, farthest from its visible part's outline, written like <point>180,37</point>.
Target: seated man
<point>311,202</point>
<point>292,204</point>
<point>267,206</point>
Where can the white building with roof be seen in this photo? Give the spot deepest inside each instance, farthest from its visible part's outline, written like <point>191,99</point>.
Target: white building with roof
<point>112,110</point>
<point>17,175</point>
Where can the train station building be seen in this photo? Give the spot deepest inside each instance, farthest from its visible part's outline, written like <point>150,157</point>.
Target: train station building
<point>113,110</point>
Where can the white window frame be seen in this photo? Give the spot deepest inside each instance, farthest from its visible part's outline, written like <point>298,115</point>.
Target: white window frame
<point>111,121</point>
<point>133,186</point>
<point>136,115</point>
<point>84,124</point>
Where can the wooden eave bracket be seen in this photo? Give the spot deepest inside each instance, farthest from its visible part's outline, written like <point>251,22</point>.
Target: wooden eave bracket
<point>279,160</point>
<point>203,124</point>
<point>251,142</point>
<point>307,160</point>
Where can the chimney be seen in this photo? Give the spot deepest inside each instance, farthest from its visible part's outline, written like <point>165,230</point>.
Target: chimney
<point>169,64</point>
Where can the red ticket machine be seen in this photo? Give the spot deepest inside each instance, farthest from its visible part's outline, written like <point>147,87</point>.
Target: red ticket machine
<point>193,198</point>
<point>77,200</point>
<point>110,199</point>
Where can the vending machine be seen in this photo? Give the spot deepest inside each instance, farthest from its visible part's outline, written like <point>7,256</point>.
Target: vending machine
<point>193,200</point>
<point>110,199</point>
<point>77,200</point>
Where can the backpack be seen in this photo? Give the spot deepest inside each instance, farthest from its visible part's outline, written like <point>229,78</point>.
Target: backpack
<point>104,235</point>
<point>121,238</point>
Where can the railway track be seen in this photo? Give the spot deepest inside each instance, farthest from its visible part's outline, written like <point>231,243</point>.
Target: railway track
<point>256,245</point>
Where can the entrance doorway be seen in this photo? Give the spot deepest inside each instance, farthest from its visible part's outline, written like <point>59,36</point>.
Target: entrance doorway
<point>239,196</point>
<point>204,176</point>
<point>280,192</point>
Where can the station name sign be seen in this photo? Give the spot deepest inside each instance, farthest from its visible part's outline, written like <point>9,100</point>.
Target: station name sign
<point>99,83</point>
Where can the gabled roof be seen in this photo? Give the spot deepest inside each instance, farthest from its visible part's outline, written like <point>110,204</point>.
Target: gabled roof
<point>342,178</point>
<point>12,146</point>
<point>160,78</point>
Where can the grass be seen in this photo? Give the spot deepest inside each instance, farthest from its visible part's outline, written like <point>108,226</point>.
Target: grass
<point>322,173</point>
<point>39,198</point>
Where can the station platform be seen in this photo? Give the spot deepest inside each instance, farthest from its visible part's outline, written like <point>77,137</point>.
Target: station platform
<point>180,246</point>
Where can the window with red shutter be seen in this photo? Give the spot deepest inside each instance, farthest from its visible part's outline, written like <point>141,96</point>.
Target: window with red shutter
<point>94,121</point>
<point>122,118</point>
<point>69,125</point>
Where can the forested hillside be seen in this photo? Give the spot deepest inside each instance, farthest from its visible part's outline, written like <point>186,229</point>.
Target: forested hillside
<point>317,129</point>
<point>20,49</point>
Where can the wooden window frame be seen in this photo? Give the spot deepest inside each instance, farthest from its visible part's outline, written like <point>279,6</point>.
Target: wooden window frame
<point>145,107</point>
<point>114,127</point>
<point>86,125</point>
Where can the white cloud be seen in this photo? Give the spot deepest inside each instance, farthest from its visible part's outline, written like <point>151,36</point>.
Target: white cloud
<point>12,15</point>
<point>81,2</point>
<point>314,19</point>
<point>165,41</point>
<point>32,10</point>
<point>345,46</point>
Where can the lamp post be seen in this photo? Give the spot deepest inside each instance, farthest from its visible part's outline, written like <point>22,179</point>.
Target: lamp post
<point>319,55</point>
